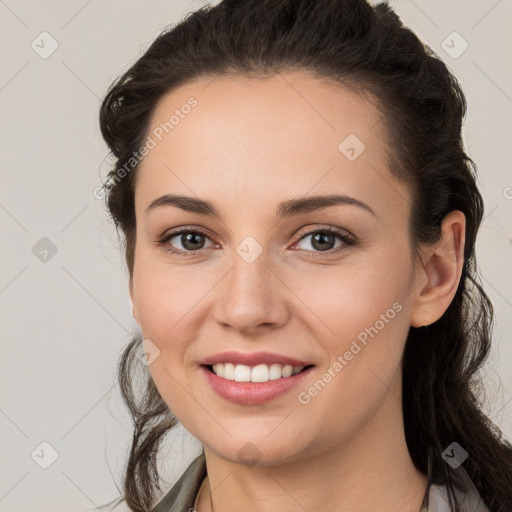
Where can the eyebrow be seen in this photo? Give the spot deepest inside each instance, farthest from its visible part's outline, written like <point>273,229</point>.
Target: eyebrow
<point>285,209</point>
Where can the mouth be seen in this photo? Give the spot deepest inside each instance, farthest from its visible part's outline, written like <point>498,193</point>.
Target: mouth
<point>254,385</point>
<point>247,390</point>
<point>255,374</point>
<point>251,378</point>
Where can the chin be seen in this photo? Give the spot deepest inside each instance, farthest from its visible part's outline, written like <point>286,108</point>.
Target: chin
<point>257,450</point>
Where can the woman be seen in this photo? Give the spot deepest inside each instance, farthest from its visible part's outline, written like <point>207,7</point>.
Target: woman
<point>300,218</point>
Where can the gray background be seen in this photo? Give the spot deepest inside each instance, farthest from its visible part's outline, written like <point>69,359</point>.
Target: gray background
<point>66,316</point>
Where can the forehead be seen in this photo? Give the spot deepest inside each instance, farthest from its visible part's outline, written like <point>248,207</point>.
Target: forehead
<point>253,142</point>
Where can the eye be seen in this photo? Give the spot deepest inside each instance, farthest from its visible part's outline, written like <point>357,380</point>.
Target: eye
<point>191,241</point>
<point>324,240</point>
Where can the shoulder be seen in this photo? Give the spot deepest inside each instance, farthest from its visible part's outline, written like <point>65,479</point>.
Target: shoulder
<point>181,496</point>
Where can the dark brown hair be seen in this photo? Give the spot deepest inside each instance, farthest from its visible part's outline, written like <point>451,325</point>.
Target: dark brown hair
<point>422,104</point>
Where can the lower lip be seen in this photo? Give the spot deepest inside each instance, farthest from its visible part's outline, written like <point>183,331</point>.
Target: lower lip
<point>253,393</point>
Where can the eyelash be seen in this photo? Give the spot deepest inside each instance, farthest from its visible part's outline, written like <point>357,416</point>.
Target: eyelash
<point>347,239</point>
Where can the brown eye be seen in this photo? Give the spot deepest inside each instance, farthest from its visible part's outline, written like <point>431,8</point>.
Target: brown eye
<point>191,241</point>
<point>324,240</point>
<point>184,241</point>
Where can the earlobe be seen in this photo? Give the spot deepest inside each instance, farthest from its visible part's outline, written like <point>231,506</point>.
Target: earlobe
<point>442,269</point>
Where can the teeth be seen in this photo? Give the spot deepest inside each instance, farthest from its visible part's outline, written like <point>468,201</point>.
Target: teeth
<point>258,373</point>
<point>275,371</point>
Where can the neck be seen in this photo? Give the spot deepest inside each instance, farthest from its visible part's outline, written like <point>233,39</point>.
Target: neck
<point>370,471</point>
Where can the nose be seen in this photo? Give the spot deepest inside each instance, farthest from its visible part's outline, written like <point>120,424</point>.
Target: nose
<point>251,297</point>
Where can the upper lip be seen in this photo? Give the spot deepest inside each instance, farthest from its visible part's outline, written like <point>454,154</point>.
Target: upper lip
<point>253,358</point>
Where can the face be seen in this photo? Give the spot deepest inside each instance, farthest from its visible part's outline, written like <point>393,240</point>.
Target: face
<point>330,287</point>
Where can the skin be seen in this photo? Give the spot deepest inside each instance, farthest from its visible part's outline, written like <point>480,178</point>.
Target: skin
<point>248,145</point>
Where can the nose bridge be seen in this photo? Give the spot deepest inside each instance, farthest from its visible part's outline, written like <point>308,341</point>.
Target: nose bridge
<point>250,296</point>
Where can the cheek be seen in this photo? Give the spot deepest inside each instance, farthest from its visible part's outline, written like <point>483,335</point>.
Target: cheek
<point>364,325</point>
<point>363,312</point>
<point>167,302</point>
<point>164,295</point>
<point>349,298</point>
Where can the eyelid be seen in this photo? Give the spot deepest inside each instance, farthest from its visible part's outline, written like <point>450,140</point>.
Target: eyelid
<point>185,229</point>
<point>329,229</point>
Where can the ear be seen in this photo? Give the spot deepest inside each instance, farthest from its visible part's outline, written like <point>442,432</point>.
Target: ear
<point>439,274</point>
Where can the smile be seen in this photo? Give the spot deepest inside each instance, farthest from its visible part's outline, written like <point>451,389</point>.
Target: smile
<point>274,380</point>
<point>258,373</point>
